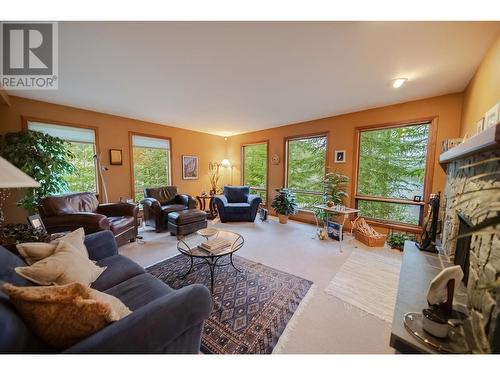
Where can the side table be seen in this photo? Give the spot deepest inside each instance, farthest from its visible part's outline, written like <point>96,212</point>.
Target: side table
<point>207,204</point>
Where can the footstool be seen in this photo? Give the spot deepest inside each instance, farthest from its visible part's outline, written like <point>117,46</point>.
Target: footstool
<point>185,222</point>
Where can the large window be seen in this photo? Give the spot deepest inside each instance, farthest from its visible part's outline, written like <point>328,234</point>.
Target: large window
<point>391,173</point>
<point>255,168</point>
<point>151,163</point>
<point>305,168</point>
<point>81,143</point>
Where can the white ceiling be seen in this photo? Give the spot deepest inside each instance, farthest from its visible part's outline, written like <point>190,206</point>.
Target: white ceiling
<point>227,78</point>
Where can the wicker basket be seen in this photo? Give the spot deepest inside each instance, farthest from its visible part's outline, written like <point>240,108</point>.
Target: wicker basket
<point>370,241</point>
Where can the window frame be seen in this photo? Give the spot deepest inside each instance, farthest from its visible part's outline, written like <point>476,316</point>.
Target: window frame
<point>24,125</point>
<point>242,159</point>
<point>131,135</point>
<point>286,161</point>
<point>429,173</point>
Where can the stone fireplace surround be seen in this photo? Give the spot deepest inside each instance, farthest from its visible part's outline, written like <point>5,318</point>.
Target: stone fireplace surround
<point>473,189</point>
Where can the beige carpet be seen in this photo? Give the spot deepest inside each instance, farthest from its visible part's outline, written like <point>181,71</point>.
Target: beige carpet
<point>322,323</point>
<point>369,280</point>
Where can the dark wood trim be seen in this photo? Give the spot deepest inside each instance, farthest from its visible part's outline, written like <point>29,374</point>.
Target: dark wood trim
<point>131,157</point>
<point>429,164</point>
<point>389,200</point>
<point>95,129</point>
<point>242,178</point>
<point>304,136</point>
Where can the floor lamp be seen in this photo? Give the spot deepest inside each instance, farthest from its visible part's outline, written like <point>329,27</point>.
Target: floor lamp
<point>11,177</point>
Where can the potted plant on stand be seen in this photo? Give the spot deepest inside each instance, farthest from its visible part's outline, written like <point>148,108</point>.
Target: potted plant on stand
<point>284,204</point>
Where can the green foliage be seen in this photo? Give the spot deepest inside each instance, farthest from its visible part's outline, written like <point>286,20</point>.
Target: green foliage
<point>84,177</point>
<point>306,167</point>
<point>397,240</point>
<point>151,169</point>
<point>335,187</point>
<point>255,165</point>
<point>284,202</point>
<point>392,165</point>
<point>44,158</point>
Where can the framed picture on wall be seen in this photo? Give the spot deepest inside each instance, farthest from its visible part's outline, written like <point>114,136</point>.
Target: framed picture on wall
<point>35,221</point>
<point>492,116</point>
<point>189,167</point>
<point>115,157</point>
<point>339,156</point>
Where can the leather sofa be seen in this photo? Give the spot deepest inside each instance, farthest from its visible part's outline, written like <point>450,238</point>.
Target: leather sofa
<point>159,202</point>
<point>163,320</point>
<point>68,212</point>
<point>237,204</point>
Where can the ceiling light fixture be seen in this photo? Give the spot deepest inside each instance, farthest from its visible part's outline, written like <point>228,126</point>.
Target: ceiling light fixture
<point>398,82</point>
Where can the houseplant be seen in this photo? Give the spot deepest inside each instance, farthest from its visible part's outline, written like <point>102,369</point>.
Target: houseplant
<point>397,240</point>
<point>284,204</point>
<point>42,157</point>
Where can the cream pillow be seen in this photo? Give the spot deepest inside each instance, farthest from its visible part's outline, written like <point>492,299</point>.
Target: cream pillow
<point>65,315</point>
<point>65,266</point>
<point>32,252</point>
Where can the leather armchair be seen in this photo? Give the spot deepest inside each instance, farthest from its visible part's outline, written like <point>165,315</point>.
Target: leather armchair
<point>68,212</point>
<point>159,202</point>
<point>237,204</point>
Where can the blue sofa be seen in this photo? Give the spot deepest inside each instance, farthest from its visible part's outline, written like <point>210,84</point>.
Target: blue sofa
<point>237,204</point>
<point>163,320</point>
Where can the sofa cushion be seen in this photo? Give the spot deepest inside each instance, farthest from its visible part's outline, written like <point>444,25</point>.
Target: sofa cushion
<point>64,315</point>
<point>237,208</point>
<point>119,269</point>
<point>118,224</point>
<point>9,261</point>
<point>65,266</point>
<point>173,208</point>
<point>139,290</point>
<point>187,216</point>
<point>68,204</point>
<point>236,194</point>
<point>164,194</point>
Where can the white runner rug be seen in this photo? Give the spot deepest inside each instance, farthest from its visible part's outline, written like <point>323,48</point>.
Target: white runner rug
<point>369,280</point>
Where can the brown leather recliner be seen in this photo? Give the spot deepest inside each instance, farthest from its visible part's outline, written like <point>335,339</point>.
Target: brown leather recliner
<point>160,201</point>
<point>67,212</point>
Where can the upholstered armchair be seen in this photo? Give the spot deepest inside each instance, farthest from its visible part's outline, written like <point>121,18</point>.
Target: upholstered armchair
<point>159,202</point>
<point>237,204</point>
<point>68,212</point>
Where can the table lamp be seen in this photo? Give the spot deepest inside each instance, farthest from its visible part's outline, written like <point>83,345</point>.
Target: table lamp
<point>12,177</point>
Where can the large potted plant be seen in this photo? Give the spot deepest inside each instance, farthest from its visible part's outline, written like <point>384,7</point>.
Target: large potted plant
<point>42,157</point>
<point>284,204</point>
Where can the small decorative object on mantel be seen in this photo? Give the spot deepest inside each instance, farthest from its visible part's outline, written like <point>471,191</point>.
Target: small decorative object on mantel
<point>480,126</point>
<point>115,157</point>
<point>450,143</point>
<point>492,117</point>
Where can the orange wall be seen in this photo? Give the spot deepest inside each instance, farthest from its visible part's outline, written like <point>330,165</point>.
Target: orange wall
<point>483,91</point>
<point>112,132</point>
<point>341,130</point>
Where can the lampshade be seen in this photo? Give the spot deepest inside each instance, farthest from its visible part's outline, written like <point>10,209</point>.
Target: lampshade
<point>12,177</point>
<point>225,163</point>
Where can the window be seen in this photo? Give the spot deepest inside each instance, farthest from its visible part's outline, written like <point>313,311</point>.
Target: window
<point>391,173</point>
<point>151,163</point>
<point>305,168</point>
<point>81,142</point>
<point>255,169</point>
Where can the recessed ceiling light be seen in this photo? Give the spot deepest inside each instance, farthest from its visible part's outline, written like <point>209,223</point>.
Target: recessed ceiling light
<point>398,82</point>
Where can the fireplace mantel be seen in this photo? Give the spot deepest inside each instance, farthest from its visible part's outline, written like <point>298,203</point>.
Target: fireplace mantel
<point>487,140</point>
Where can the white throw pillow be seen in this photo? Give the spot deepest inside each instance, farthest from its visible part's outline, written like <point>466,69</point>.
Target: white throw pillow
<point>33,252</point>
<point>65,266</point>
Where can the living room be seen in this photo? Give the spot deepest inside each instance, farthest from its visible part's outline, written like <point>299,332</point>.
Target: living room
<point>250,187</point>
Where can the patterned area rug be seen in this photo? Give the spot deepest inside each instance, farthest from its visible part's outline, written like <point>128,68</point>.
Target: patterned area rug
<point>252,307</point>
<point>369,280</point>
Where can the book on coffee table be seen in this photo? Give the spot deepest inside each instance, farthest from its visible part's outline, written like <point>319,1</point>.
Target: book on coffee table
<point>214,246</point>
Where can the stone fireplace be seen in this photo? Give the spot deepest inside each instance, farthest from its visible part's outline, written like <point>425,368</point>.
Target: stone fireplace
<point>472,195</point>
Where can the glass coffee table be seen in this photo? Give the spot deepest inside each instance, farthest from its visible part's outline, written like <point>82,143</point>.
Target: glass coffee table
<point>189,247</point>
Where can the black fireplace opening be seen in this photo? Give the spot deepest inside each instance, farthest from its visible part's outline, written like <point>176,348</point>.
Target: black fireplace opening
<point>463,246</point>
